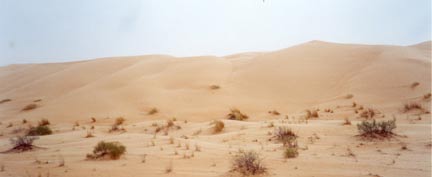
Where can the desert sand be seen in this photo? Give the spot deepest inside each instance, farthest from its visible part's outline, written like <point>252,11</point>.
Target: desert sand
<point>194,91</point>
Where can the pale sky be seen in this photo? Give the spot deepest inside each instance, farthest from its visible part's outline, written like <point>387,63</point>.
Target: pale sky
<point>40,31</point>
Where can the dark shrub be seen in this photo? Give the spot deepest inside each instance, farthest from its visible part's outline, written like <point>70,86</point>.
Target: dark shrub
<point>235,114</point>
<point>29,107</point>
<point>374,129</point>
<point>23,143</point>
<point>286,136</point>
<point>248,163</point>
<point>113,150</point>
<point>39,130</point>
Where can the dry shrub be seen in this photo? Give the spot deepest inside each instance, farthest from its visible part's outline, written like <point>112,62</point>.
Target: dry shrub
<point>427,96</point>
<point>93,120</point>
<point>235,114</point>
<point>112,150</point>
<point>117,123</point>
<point>346,122</point>
<point>248,163</point>
<point>40,130</point>
<point>349,96</point>
<point>153,111</point>
<point>286,136</point>
<point>311,114</point>
<point>218,126</point>
<point>414,85</point>
<point>368,113</point>
<point>214,87</point>
<point>169,167</point>
<point>89,134</point>
<point>5,100</point>
<point>22,143</point>
<point>44,122</point>
<point>291,152</point>
<point>374,129</point>
<point>413,106</point>
<point>274,112</point>
<point>24,121</point>
<point>37,100</point>
<point>29,107</point>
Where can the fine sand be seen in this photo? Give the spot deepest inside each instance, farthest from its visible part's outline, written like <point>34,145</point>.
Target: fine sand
<point>198,90</point>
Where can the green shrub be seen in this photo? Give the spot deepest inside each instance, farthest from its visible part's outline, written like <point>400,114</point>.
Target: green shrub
<point>39,130</point>
<point>248,163</point>
<point>113,150</point>
<point>376,129</point>
<point>235,114</point>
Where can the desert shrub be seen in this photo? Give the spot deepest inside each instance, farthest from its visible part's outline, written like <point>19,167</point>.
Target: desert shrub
<point>311,114</point>
<point>117,123</point>
<point>235,114</point>
<point>218,126</point>
<point>40,130</point>
<point>286,136</point>
<point>170,123</point>
<point>5,100</point>
<point>349,96</point>
<point>22,143</point>
<point>346,122</point>
<point>37,100</point>
<point>291,152</point>
<point>248,163</point>
<point>415,84</point>
<point>29,107</point>
<point>412,106</point>
<point>89,134</point>
<point>214,87</point>
<point>274,112</point>
<point>427,96</point>
<point>153,111</point>
<point>43,122</point>
<point>113,150</point>
<point>368,113</point>
<point>93,120</point>
<point>374,129</point>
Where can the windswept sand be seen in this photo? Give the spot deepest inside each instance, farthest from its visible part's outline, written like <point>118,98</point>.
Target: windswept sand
<point>308,76</point>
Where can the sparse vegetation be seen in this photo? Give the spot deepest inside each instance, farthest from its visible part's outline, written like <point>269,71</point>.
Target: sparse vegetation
<point>427,96</point>
<point>311,114</point>
<point>117,123</point>
<point>368,113</point>
<point>374,129</point>
<point>349,96</point>
<point>40,130</point>
<point>218,126</point>
<point>235,114</point>
<point>93,120</point>
<point>291,152</point>
<point>346,122</point>
<point>413,106</point>
<point>29,107</point>
<point>153,111</point>
<point>44,122</point>
<point>89,134</point>
<point>274,112</point>
<point>5,100</point>
<point>112,150</point>
<point>22,143</point>
<point>248,163</point>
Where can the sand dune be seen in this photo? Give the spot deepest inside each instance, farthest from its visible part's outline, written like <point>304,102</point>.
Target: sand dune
<point>316,74</point>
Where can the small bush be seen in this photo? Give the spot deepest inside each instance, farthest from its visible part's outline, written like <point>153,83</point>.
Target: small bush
<point>218,126</point>
<point>5,100</point>
<point>374,129</point>
<point>286,136</point>
<point>43,122</point>
<point>113,150</point>
<point>291,152</point>
<point>235,114</point>
<point>40,130</point>
<point>311,114</point>
<point>349,96</point>
<point>368,113</point>
<point>153,111</point>
<point>116,126</point>
<point>93,120</point>
<point>29,107</point>
<point>248,163</point>
<point>23,143</point>
<point>413,106</point>
<point>427,96</point>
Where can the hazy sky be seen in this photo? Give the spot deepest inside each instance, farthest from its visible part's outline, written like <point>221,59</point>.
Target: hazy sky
<point>66,30</point>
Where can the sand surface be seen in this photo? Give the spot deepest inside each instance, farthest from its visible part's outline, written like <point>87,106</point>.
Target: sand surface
<point>313,75</point>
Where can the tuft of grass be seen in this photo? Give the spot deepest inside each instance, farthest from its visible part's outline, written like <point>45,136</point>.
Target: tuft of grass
<point>117,123</point>
<point>235,114</point>
<point>153,111</point>
<point>248,163</point>
<point>374,129</point>
<point>22,143</point>
<point>5,100</point>
<point>112,150</point>
<point>29,107</point>
<point>218,126</point>
<point>40,130</point>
